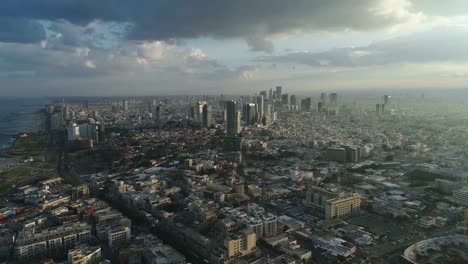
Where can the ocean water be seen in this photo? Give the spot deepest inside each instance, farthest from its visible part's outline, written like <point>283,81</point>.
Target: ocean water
<point>19,115</point>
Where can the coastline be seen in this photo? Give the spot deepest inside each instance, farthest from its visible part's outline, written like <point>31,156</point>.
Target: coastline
<point>8,159</point>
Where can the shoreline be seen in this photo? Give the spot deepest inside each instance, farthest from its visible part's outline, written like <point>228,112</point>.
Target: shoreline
<point>6,158</point>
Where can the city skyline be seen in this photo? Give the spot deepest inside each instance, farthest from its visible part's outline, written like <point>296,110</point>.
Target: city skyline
<point>56,48</point>
<point>263,178</point>
<point>234,131</point>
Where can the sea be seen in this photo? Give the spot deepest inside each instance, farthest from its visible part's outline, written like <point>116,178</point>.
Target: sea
<point>19,115</point>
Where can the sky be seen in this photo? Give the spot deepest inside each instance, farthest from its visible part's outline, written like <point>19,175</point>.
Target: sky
<point>178,47</point>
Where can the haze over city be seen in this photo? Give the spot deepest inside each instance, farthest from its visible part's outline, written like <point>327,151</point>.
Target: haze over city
<point>234,131</point>
<point>117,47</point>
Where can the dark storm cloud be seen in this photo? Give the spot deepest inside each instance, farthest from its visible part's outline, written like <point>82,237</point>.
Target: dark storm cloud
<point>20,30</point>
<point>179,19</point>
<point>446,44</point>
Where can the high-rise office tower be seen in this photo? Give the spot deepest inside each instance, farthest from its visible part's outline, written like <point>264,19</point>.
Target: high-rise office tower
<point>238,122</point>
<point>386,99</point>
<point>158,116</point>
<point>232,119</point>
<point>260,107</point>
<point>333,99</point>
<point>320,107</point>
<point>250,113</point>
<point>125,105</point>
<point>199,110</point>
<point>306,104</point>
<point>207,120</point>
<point>56,121</point>
<point>380,108</point>
<point>89,131</point>
<point>66,113</point>
<point>232,143</point>
<point>323,98</point>
<point>293,100</point>
<point>269,111</point>
<point>270,95</point>
<point>73,132</point>
<point>285,99</point>
<point>279,92</point>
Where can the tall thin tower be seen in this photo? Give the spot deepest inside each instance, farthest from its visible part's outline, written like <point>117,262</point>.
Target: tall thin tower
<point>232,123</point>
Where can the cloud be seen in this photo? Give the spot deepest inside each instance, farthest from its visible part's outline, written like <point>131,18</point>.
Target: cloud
<point>255,21</point>
<point>247,72</point>
<point>441,8</point>
<point>257,43</point>
<point>198,58</point>
<point>48,63</point>
<point>90,64</point>
<point>82,52</point>
<point>138,58</point>
<point>20,30</point>
<point>243,72</point>
<point>442,44</point>
<point>153,51</point>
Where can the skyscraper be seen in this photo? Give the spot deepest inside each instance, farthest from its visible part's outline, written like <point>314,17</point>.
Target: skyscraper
<point>238,122</point>
<point>125,105</point>
<point>73,132</point>
<point>66,113</point>
<point>380,108</point>
<point>269,111</point>
<point>250,113</point>
<point>207,120</point>
<point>56,121</point>
<point>232,119</point>
<point>279,92</point>
<point>232,143</point>
<point>306,104</point>
<point>386,99</point>
<point>293,102</point>
<point>260,107</point>
<point>199,110</point>
<point>333,99</point>
<point>320,107</point>
<point>323,98</point>
<point>270,95</point>
<point>285,99</point>
<point>158,117</point>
